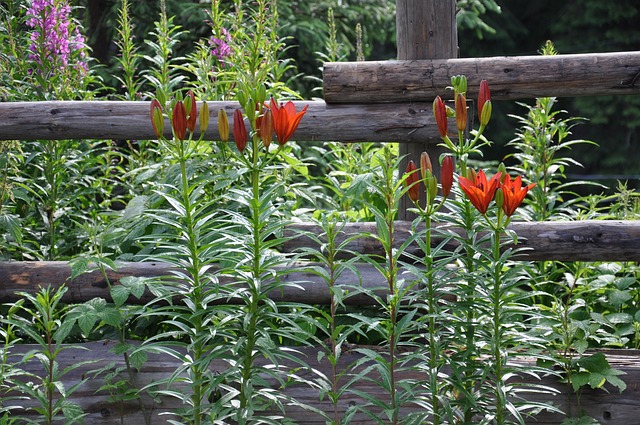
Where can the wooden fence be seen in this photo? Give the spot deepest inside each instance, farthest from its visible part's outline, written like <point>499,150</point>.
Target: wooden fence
<point>371,101</point>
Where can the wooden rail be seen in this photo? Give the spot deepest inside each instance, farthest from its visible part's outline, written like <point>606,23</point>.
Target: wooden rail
<point>57,120</point>
<point>514,77</point>
<point>611,407</point>
<point>592,240</point>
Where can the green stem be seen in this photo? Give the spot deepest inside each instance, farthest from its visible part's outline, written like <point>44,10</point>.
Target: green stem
<point>469,310</point>
<point>254,285</point>
<point>196,293</point>
<point>433,343</point>
<point>497,328</point>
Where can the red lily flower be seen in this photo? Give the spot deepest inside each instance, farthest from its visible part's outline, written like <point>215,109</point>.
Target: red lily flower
<point>480,192</point>
<point>440,112</point>
<point>285,120</point>
<point>179,121</point>
<point>446,175</point>
<point>513,193</point>
<point>239,130</point>
<point>412,182</point>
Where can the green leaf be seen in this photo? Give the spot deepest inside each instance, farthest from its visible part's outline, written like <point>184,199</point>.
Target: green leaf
<point>111,316</point>
<point>12,225</point>
<point>120,294</point>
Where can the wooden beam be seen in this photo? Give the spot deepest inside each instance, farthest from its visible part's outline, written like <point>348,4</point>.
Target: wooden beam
<point>425,29</point>
<point>516,77</point>
<point>587,240</point>
<point>56,120</point>
<point>29,276</point>
<point>593,240</point>
<point>100,407</point>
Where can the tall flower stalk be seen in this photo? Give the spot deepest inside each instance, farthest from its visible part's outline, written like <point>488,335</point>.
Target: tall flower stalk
<point>433,290</point>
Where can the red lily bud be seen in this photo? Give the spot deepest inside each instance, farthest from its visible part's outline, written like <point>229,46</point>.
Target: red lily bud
<point>411,182</point>
<point>484,96</point>
<point>239,130</point>
<point>157,118</point>
<point>440,112</point>
<point>425,166</point>
<point>192,110</point>
<point>265,128</point>
<point>461,112</point>
<point>179,121</point>
<point>223,125</point>
<point>446,175</point>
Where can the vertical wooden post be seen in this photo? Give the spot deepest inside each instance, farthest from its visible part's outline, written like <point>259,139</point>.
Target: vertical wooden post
<point>425,29</point>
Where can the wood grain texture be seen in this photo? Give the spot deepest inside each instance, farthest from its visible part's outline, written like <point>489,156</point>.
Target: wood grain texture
<point>517,77</point>
<point>616,408</point>
<point>588,240</point>
<point>424,30</point>
<point>562,241</point>
<point>57,120</point>
<point>307,286</point>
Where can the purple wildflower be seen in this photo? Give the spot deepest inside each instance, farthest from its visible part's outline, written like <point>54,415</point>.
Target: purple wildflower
<point>220,46</point>
<point>51,38</point>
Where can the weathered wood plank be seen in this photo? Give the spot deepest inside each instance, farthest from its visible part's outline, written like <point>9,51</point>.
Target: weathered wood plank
<point>55,120</point>
<point>613,407</point>
<point>29,276</point>
<point>564,241</point>
<point>424,30</point>
<point>515,77</point>
<point>588,240</point>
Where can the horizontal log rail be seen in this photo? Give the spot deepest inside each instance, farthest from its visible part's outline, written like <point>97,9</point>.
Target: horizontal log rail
<point>587,240</point>
<point>516,77</point>
<point>616,408</point>
<point>566,241</point>
<point>120,120</point>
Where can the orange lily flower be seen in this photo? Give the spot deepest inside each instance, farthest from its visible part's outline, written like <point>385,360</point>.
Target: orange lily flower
<point>285,120</point>
<point>513,193</point>
<point>480,192</point>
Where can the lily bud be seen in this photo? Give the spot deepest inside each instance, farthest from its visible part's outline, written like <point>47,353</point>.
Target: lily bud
<point>179,121</point>
<point>411,182</point>
<point>223,125</point>
<point>484,99</point>
<point>192,110</point>
<point>472,175</point>
<point>502,169</point>
<point>440,113</point>
<point>432,188</point>
<point>204,117</point>
<point>239,131</point>
<point>461,112</point>
<point>266,128</point>
<point>425,166</point>
<point>157,118</point>
<point>446,175</point>
<point>459,83</point>
<point>499,197</point>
